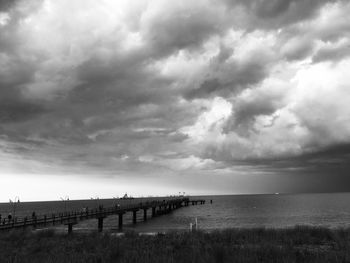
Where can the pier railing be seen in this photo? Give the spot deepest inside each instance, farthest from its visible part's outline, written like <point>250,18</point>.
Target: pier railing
<point>73,217</point>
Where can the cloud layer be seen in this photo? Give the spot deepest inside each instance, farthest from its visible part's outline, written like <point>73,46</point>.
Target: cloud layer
<point>158,88</point>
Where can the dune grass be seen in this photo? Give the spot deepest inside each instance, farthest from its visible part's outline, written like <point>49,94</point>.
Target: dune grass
<point>298,244</point>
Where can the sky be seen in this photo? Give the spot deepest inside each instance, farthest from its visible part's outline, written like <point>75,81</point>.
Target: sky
<point>153,97</point>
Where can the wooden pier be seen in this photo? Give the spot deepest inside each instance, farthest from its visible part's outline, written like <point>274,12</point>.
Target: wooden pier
<point>74,217</point>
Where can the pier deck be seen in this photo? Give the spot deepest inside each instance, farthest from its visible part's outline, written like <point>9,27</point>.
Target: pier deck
<point>74,217</point>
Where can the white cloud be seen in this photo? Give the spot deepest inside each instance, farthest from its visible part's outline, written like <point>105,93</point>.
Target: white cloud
<point>4,18</point>
<point>210,122</point>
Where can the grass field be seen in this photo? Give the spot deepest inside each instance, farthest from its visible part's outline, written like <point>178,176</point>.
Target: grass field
<point>298,244</point>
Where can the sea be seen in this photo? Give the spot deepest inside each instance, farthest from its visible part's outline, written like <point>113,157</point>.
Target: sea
<point>225,211</point>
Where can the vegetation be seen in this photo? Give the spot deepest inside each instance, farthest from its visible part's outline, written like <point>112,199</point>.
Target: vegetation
<point>299,244</point>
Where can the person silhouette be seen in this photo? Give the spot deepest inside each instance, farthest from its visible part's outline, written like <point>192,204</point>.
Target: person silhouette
<point>9,217</point>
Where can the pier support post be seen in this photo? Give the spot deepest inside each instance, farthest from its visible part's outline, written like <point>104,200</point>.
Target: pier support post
<point>35,221</point>
<point>134,216</point>
<point>70,224</point>
<point>120,221</point>
<point>145,214</point>
<point>153,211</point>
<point>70,228</point>
<point>100,224</point>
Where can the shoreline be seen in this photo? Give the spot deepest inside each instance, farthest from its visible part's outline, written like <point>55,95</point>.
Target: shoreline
<point>295,244</point>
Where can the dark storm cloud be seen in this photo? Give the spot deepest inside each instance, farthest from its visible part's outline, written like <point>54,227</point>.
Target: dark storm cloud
<point>272,14</point>
<point>14,73</point>
<point>13,106</point>
<point>6,4</point>
<point>297,48</point>
<point>262,101</point>
<point>267,9</point>
<point>183,27</point>
<point>322,171</point>
<point>206,88</point>
<point>327,158</point>
<point>289,11</point>
<point>14,111</point>
<point>333,54</point>
<point>235,75</point>
<point>246,112</point>
<point>241,76</point>
<point>118,84</point>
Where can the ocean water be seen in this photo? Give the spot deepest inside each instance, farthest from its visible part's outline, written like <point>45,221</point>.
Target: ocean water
<point>230,211</point>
